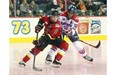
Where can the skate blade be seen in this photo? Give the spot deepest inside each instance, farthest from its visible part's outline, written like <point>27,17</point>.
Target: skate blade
<point>48,63</point>
<point>55,66</point>
<point>22,66</point>
<point>89,60</point>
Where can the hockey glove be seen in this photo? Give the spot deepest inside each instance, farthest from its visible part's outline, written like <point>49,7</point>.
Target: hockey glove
<point>37,29</point>
<point>35,42</point>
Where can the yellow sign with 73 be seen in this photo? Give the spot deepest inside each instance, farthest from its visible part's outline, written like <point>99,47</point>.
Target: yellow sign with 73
<point>24,26</point>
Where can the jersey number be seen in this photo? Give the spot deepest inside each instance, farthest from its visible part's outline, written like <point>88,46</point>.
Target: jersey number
<point>56,31</point>
<point>24,26</point>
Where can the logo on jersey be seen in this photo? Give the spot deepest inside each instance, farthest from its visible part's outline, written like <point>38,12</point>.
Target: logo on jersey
<point>57,25</point>
<point>63,19</point>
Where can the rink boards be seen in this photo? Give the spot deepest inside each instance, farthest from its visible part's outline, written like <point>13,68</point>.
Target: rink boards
<point>89,28</point>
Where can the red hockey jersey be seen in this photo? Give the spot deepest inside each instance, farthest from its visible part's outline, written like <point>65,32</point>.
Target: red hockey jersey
<point>53,29</point>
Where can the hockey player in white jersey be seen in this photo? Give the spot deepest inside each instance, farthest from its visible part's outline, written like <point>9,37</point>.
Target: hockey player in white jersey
<point>69,21</point>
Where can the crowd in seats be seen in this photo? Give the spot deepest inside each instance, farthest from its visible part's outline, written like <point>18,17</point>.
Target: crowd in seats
<point>37,8</point>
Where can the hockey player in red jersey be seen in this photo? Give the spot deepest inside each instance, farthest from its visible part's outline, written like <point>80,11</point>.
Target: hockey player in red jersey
<point>52,35</point>
<point>69,21</point>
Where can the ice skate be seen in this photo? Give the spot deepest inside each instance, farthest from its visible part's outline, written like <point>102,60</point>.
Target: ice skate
<point>88,58</point>
<point>48,60</point>
<point>56,64</point>
<point>22,64</point>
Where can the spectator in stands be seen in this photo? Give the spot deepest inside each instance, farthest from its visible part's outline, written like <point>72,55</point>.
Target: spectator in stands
<point>101,11</point>
<point>18,13</point>
<point>33,7</point>
<point>90,13</point>
<point>40,13</point>
<point>18,2</point>
<point>89,5</point>
<point>42,1</point>
<point>85,7</point>
<point>46,1</point>
<point>11,5</point>
<point>38,2</point>
<point>24,8</point>
<point>61,4</point>
<point>82,7</point>
<point>10,14</point>
<point>29,14</point>
<point>28,1</point>
<point>11,8</point>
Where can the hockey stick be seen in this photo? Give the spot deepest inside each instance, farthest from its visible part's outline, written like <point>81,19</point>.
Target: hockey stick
<point>36,69</point>
<point>97,46</point>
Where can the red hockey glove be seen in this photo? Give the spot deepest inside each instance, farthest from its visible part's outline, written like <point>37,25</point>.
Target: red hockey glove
<point>37,29</point>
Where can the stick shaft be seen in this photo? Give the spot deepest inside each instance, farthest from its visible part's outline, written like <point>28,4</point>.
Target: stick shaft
<point>35,52</point>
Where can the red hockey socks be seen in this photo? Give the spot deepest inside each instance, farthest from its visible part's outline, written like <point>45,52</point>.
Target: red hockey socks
<point>26,58</point>
<point>64,46</point>
<point>60,54</point>
<point>30,54</point>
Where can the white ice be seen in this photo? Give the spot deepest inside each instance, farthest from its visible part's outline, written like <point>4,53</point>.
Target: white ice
<point>72,62</point>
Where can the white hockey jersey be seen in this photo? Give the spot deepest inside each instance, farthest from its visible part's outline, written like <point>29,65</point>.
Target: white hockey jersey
<point>69,24</point>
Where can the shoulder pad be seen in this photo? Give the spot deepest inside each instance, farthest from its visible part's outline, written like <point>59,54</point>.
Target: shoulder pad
<point>75,18</point>
<point>64,13</point>
<point>45,18</point>
<point>57,25</point>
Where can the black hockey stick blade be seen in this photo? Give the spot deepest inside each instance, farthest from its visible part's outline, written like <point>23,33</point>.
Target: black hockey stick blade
<point>37,69</point>
<point>98,45</point>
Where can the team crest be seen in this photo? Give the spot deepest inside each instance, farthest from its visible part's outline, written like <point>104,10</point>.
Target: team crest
<point>57,25</point>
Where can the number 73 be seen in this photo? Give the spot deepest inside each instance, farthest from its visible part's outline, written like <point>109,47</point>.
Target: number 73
<point>17,26</point>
